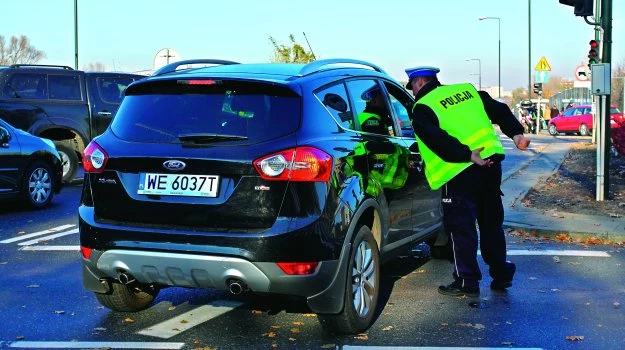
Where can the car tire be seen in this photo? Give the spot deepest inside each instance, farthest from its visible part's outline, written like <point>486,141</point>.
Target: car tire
<point>583,130</point>
<point>361,290</point>
<point>553,131</point>
<point>127,298</point>
<point>69,160</point>
<point>37,185</point>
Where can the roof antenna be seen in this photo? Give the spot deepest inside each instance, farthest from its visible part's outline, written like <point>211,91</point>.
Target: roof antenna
<point>311,50</point>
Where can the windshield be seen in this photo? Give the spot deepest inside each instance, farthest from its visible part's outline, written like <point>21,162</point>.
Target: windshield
<point>223,112</point>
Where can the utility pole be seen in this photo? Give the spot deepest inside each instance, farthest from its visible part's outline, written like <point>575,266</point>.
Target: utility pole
<point>529,49</point>
<point>76,34</point>
<point>606,24</point>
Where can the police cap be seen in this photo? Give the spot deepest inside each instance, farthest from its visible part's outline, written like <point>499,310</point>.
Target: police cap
<point>423,71</point>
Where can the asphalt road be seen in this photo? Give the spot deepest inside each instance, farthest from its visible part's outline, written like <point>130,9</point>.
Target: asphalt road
<point>560,291</point>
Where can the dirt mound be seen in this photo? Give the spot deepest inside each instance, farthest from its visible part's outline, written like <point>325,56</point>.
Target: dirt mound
<point>572,188</point>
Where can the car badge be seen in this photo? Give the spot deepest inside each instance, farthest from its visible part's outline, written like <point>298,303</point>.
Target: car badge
<point>174,165</point>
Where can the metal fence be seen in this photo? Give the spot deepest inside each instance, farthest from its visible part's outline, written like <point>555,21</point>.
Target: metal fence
<point>576,96</point>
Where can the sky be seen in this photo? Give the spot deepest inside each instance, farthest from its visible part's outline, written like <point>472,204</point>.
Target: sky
<point>125,35</point>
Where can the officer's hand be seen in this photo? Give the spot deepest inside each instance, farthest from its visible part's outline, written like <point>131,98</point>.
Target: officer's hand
<point>521,142</point>
<point>475,158</point>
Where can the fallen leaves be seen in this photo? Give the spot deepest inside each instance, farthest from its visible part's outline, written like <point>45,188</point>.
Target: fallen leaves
<point>127,320</point>
<point>309,315</point>
<point>297,323</point>
<point>387,328</point>
<point>362,336</point>
<point>328,346</point>
<point>563,237</point>
<point>256,312</point>
<point>171,308</point>
<point>575,337</point>
<point>477,326</point>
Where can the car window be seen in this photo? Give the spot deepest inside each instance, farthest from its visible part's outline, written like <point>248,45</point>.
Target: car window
<point>334,98</point>
<point>111,90</point>
<point>586,110</point>
<point>614,111</point>
<point>162,111</point>
<point>26,85</point>
<point>401,102</point>
<point>370,107</point>
<point>568,112</point>
<point>64,87</point>
<point>578,111</point>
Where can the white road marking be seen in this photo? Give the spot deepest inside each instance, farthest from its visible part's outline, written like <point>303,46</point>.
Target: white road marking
<point>356,347</point>
<point>40,233</point>
<point>175,326</point>
<point>94,345</point>
<point>589,253</point>
<point>47,238</point>
<point>51,247</point>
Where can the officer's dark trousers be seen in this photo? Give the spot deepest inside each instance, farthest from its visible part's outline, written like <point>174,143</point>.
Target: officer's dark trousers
<point>475,195</point>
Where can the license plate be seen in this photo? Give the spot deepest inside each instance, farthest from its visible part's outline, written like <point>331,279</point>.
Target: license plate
<point>178,185</point>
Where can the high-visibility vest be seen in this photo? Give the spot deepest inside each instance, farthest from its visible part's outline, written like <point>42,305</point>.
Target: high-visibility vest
<point>460,112</point>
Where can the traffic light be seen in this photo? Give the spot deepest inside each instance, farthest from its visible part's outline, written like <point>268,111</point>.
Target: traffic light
<point>538,88</point>
<point>593,53</point>
<point>582,7</point>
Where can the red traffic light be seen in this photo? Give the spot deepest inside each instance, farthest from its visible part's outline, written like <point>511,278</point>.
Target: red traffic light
<point>594,44</point>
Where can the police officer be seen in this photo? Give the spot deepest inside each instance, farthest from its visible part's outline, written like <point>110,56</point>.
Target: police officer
<point>462,155</point>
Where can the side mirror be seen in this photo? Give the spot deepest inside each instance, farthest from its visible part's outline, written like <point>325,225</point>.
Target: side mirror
<point>5,137</point>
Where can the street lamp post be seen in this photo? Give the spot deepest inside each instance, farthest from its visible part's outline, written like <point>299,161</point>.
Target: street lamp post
<point>479,63</point>
<point>499,55</point>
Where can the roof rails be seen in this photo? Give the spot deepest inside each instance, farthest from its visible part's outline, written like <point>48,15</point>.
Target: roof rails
<point>172,66</point>
<point>316,66</point>
<point>39,65</point>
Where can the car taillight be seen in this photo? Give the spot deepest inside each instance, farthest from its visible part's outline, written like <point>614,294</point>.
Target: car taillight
<point>86,252</point>
<point>295,164</point>
<point>298,268</point>
<point>94,158</point>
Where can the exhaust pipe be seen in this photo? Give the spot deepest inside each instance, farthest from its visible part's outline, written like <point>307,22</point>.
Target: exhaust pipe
<point>125,278</point>
<point>236,286</point>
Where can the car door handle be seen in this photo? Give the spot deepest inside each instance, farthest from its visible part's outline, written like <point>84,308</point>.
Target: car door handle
<point>105,114</point>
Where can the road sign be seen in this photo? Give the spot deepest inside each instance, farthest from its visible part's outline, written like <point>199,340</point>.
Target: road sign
<point>542,65</point>
<point>542,76</point>
<point>581,73</point>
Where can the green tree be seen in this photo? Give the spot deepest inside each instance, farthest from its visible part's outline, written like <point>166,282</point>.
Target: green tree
<point>19,50</point>
<point>294,53</point>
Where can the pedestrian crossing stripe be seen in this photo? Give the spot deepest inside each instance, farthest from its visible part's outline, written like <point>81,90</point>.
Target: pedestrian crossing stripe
<point>35,234</point>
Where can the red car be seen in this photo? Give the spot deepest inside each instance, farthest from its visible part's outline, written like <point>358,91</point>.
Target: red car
<point>578,119</point>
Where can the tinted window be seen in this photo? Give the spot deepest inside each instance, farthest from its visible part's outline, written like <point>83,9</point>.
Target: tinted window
<point>111,90</point>
<point>370,107</point>
<point>26,85</point>
<point>569,112</point>
<point>614,111</point>
<point>334,98</point>
<point>578,111</point>
<point>161,111</point>
<point>64,87</point>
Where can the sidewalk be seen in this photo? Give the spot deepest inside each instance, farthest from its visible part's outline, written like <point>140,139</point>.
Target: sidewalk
<point>517,182</point>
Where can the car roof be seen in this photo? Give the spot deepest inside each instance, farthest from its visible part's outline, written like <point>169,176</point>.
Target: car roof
<point>270,72</point>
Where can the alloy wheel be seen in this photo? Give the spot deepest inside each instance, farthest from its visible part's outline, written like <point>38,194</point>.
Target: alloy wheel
<point>363,279</point>
<point>39,185</point>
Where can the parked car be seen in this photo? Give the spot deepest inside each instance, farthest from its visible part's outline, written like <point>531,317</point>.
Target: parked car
<point>578,119</point>
<point>59,103</point>
<point>256,178</point>
<point>30,167</point>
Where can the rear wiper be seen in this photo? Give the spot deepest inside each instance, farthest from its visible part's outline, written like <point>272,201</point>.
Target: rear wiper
<point>207,138</point>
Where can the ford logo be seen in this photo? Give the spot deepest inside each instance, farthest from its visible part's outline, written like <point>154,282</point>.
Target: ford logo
<point>174,165</point>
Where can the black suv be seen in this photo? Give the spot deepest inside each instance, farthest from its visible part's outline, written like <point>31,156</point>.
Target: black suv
<point>288,179</point>
<point>59,103</point>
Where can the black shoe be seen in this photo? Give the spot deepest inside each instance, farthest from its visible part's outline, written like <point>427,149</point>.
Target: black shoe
<point>500,285</point>
<point>455,289</point>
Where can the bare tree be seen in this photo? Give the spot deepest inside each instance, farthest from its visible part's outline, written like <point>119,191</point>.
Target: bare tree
<point>19,50</point>
<point>295,53</point>
<point>618,80</point>
<point>95,67</point>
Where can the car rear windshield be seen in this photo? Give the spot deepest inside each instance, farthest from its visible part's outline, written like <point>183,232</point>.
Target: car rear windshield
<point>177,111</point>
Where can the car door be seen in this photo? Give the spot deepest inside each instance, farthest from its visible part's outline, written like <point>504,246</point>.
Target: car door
<point>426,203</point>
<point>106,93</point>
<point>387,156</point>
<point>10,160</point>
<point>566,121</point>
